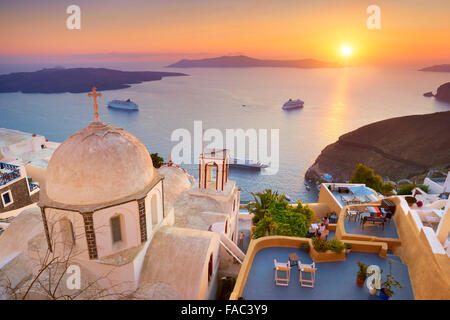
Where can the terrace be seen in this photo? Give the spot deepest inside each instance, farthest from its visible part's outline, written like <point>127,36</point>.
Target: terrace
<point>352,194</point>
<point>334,280</point>
<point>354,224</point>
<point>8,173</point>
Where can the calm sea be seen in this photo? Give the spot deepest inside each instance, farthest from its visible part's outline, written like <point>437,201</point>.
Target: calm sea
<point>336,101</point>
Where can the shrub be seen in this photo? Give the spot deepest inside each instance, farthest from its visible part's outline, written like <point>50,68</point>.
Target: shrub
<point>279,217</point>
<point>157,160</point>
<point>408,188</point>
<point>334,245</point>
<point>366,175</point>
<point>305,247</point>
<point>319,244</point>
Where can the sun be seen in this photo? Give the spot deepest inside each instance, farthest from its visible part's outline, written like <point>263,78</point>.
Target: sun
<point>346,51</point>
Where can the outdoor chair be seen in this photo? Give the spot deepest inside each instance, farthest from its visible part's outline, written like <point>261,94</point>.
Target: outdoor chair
<point>305,269</point>
<point>280,270</point>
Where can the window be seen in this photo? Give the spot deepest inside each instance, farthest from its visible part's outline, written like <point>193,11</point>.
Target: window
<point>7,198</point>
<point>210,267</point>
<point>116,229</point>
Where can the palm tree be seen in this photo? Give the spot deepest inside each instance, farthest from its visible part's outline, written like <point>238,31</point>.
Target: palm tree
<point>262,202</point>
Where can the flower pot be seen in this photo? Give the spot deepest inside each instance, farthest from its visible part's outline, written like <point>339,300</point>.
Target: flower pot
<point>359,282</point>
<point>382,295</point>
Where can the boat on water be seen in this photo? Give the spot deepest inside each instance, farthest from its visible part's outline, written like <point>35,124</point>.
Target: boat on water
<point>293,104</point>
<point>121,104</point>
<point>246,163</point>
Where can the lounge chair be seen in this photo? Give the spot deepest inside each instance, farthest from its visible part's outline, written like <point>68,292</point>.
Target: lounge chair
<point>305,269</point>
<point>284,269</point>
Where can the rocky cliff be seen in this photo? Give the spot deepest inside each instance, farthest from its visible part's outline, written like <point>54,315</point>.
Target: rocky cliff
<point>397,148</point>
<point>443,92</point>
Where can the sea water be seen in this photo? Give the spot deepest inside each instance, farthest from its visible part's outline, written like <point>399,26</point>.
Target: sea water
<point>336,101</point>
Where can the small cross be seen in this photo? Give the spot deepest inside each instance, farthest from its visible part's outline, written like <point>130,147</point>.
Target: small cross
<point>94,94</point>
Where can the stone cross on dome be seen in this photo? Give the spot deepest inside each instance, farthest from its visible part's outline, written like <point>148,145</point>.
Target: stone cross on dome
<point>94,95</point>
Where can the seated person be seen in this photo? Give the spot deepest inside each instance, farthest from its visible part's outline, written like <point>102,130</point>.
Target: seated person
<point>311,232</point>
<point>321,229</point>
<point>326,221</point>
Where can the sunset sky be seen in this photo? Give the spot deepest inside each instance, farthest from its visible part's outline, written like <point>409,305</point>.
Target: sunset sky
<point>412,31</point>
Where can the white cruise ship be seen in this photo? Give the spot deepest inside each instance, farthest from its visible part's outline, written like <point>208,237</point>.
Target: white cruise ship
<point>120,104</point>
<point>293,104</point>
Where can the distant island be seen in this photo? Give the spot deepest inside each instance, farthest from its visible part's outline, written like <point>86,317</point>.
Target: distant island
<point>76,80</point>
<point>437,68</point>
<point>442,93</point>
<point>247,62</point>
<point>398,148</point>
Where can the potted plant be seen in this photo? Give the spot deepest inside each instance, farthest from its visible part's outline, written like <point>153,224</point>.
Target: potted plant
<point>361,275</point>
<point>387,286</point>
<point>305,247</point>
<point>348,248</point>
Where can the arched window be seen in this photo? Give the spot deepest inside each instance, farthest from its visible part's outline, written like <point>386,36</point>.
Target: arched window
<point>116,229</point>
<point>210,267</point>
<point>211,176</point>
<point>154,209</point>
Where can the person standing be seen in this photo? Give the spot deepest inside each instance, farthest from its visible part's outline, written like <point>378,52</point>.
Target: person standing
<point>241,239</point>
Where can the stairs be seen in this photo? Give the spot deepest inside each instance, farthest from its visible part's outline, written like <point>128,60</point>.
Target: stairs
<point>232,248</point>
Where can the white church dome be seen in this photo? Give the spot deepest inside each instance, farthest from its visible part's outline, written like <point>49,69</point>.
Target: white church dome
<point>98,164</point>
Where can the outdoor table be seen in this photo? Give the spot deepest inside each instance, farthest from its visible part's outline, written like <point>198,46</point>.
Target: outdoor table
<point>293,258</point>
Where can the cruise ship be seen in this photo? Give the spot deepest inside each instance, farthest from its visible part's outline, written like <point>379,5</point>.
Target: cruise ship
<point>293,104</point>
<point>247,163</point>
<point>121,104</point>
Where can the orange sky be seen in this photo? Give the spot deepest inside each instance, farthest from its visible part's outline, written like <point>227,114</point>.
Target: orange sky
<point>411,30</point>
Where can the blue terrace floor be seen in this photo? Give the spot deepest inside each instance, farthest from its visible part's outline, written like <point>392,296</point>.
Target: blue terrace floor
<point>355,227</point>
<point>334,280</point>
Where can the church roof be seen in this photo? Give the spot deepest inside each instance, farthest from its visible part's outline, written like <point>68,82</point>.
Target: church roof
<point>96,166</point>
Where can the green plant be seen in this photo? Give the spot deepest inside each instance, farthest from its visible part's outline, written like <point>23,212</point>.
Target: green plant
<point>273,215</point>
<point>262,201</point>
<point>305,247</point>
<point>366,175</point>
<point>408,188</point>
<point>348,246</point>
<point>335,245</point>
<point>319,244</point>
<point>390,283</point>
<point>157,160</point>
<point>362,271</point>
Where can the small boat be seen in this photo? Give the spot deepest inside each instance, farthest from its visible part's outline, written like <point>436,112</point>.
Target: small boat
<point>246,163</point>
<point>121,104</point>
<point>293,104</point>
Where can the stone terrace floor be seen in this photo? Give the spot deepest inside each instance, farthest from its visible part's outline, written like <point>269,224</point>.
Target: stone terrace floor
<point>355,227</point>
<point>334,280</point>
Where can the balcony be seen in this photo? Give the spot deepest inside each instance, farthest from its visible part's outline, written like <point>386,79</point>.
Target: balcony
<point>8,173</point>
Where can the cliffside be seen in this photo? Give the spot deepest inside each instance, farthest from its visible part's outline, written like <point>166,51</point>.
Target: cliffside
<point>397,148</point>
<point>443,92</point>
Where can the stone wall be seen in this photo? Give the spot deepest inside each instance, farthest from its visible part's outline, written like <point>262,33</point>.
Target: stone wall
<point>20,195</point>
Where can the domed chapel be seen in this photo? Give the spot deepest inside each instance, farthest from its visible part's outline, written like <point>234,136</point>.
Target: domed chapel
<point>103,199</point>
